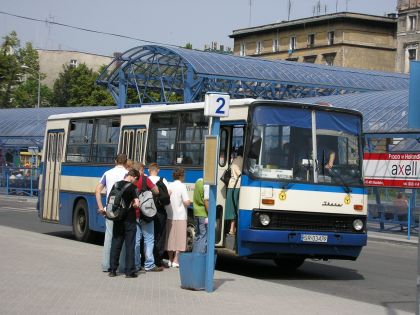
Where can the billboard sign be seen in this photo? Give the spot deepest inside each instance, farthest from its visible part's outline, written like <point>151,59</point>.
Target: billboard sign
<point>392,169</point>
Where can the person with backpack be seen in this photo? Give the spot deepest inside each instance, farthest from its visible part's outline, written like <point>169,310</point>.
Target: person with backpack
<point>200,207</point>
<point>123,197</point>
<point>108,179</point>
<point>145,225</point>
<point>161,201</point>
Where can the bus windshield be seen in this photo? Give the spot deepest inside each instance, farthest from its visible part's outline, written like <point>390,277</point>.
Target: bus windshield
<point>305,145</point>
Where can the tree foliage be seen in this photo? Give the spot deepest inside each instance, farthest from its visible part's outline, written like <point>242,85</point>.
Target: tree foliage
<point>19,75</point>
<point>75,86</point>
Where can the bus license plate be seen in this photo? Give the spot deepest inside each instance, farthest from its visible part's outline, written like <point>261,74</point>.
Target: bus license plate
<point>314,238</point>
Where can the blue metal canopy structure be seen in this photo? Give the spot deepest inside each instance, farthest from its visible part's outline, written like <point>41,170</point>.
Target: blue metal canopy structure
<point>383,111</point>
<point>385,115</point>
<point>170,74</point>
<point>23,127</point>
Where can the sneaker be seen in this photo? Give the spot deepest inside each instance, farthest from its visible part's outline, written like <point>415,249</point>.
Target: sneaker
<point>112,273</point>
<point>175,265</point>
<point>166,263</point>
<point>155,268</point>
<point>132,275</point>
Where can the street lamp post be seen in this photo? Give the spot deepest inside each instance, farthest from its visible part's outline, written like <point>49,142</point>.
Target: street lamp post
<point>39,84</point>
<point>39,89</point>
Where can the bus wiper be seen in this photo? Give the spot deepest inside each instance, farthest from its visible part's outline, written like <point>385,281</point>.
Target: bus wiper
<point>334,175</point>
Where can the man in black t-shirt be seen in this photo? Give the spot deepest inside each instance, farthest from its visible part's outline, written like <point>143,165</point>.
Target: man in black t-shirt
<point>125,230</point>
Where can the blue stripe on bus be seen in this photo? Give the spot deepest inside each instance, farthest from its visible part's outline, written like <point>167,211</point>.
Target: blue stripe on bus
<point>191,175</point>
<point>248,182</point>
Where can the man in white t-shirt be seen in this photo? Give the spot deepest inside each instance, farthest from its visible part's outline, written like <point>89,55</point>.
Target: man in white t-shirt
<point>108,179</point>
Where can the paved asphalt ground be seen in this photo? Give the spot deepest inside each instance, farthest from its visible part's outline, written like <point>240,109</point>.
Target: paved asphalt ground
<point>41,274</point>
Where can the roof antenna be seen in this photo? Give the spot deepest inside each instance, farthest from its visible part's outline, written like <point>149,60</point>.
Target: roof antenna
<point>250,10</point>
<point>289,8</point>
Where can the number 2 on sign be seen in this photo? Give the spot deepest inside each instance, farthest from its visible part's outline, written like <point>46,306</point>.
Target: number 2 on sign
<point>222,103</point>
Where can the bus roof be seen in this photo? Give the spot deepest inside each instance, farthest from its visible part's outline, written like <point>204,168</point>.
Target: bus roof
<point>145,109</point>
<point>199,105</point>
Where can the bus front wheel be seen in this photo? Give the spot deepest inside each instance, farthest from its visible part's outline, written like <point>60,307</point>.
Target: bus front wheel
<point>81,222</point>
<point>289,264</point>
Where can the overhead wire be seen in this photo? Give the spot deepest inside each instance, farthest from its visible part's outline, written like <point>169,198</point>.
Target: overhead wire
<point>85,29</point>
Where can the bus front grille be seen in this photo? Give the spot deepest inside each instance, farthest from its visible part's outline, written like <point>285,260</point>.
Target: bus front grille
<point>307,221</point>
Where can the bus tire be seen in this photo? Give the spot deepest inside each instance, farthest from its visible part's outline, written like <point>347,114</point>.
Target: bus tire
<point>81,229</point>
<point>289,264</point>
<point>190,234</point>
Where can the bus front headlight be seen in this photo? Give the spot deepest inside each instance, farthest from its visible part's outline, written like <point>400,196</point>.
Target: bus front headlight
<point>264,219</point>
<point>358,224</point>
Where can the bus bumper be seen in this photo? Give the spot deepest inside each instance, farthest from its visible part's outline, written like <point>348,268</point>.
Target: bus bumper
<point>321,245</point>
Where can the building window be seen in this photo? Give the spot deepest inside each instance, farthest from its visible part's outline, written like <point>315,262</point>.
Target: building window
<point>276,45</point>
<point>309,59</point>
<point>410,54</point>
<point>73,63</point>
<point>311,40</point>
<point>292,43</point>
<point>258,47</point>
<point>329,59</point>
<point>242,51</point>
<point>292,59</point>
<point>411,23</point>
<point>330,38</point>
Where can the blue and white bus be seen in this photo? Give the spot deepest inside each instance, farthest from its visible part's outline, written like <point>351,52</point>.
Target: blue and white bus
<point>292,204</point>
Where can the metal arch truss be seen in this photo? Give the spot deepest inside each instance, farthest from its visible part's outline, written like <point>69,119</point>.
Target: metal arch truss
<point>156,74</point>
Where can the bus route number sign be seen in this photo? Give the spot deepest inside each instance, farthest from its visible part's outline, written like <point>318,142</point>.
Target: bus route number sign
<point>216,105</point>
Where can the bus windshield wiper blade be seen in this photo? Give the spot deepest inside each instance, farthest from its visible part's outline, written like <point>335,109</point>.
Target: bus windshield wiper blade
<point>334,175</point>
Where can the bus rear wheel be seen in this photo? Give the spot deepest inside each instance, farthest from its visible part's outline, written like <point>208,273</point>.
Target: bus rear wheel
<point>81,229</point>
<point>289,264</point>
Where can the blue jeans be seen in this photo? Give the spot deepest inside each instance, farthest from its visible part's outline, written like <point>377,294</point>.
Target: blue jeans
<point>200,239</point>
<point>145,230</point>
<point>106,254</point>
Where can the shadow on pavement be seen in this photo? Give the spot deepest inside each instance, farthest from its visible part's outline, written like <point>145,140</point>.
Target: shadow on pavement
<point>267,270</point>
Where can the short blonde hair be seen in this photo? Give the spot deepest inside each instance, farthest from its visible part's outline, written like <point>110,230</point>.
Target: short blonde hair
<point>153,167</point>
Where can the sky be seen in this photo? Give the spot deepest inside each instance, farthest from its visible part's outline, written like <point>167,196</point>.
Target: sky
<point>172,22</point>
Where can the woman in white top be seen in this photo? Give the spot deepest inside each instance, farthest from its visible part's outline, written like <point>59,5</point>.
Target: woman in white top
<point>176,226</point>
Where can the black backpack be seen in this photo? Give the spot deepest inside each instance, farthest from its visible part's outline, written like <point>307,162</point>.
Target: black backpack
<point>163,199</point>
<point>116,209</point>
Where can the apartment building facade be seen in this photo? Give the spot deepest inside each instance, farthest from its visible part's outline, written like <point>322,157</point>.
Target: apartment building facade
<point>408,34</point>
<point>341,39</point>
<point>51,62</point>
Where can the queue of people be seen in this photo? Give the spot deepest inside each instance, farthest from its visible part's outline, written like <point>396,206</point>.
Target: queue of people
<point>163,236</point>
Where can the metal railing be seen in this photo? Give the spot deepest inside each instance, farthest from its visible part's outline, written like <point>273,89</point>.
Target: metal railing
<point>19,180</point>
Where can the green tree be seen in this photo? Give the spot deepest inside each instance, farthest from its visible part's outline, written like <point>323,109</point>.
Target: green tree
<point>19,75</point>
<point>75,86</point>
<point>10,71</point>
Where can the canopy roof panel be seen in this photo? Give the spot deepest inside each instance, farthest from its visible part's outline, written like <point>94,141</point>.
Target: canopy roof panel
<point>191,73</point>
<point>383,111</point>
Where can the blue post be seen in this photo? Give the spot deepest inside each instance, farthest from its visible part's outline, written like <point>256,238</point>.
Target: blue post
<point>409,219</point>
<point>215,126</point>
<point>414,96</point>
